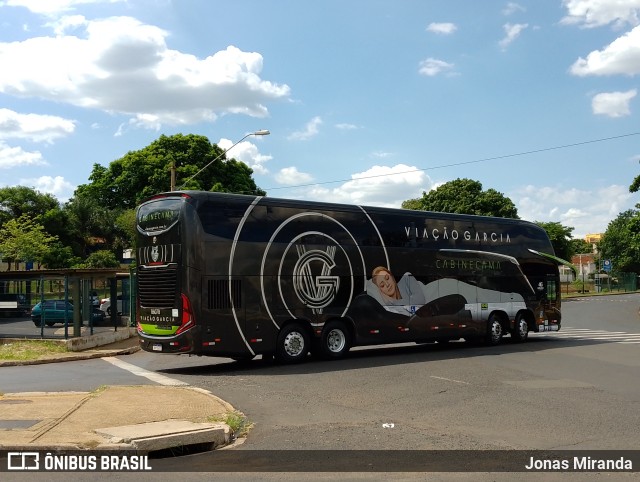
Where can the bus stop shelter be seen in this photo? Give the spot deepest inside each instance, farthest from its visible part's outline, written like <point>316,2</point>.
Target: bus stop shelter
<point>81,287</point>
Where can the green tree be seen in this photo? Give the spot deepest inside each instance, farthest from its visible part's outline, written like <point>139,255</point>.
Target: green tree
<point>621,242</point>
<point>82,213</point>
<point>18,200</point>
<point>126,226</point>
<point>60,256</point>
<point>580,246</point>
<point>635,185</point>
<point>560,237</point>
<point>464,196</point>
<point>143,173</point>
<point>100,259</point>
<point>23,239</point>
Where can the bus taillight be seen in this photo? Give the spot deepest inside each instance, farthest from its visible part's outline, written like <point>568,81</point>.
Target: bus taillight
<point>187,315</point>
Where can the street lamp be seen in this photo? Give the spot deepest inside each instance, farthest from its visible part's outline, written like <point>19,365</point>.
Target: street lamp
<point>262,132</point>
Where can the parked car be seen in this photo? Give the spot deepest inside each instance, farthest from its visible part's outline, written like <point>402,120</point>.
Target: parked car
<point>54,312</point>
<point>13,304</point>
<point>105,305</point>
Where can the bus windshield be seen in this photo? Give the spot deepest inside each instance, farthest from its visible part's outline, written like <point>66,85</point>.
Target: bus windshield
<point>159,215</point>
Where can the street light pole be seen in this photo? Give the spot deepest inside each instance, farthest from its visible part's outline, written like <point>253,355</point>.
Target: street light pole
<point>262,132</point>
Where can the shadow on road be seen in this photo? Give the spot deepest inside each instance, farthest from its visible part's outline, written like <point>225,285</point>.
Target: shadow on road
<point>380,356</point>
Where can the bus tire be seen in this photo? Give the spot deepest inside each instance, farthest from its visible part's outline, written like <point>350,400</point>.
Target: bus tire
<point>293,344</point>
<point>520,330</point>
<point>494,331</point>
<point>335,341</point>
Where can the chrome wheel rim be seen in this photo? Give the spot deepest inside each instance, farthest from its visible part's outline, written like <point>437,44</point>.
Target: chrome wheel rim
<point>523,329</point>
<point>496,331</point>
<point>336,340</point>
<point>294,344</point>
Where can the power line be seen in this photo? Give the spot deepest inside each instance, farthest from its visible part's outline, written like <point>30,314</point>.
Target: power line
<point>495,158</point>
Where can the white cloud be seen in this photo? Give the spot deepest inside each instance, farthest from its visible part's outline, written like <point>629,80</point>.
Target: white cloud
<point>291,176</point>
<point>52,7</point>
<point>622,56</point>
<point>248,153</point>
<point>346,127</point>
<point>512,8</point>
<point>442,28</point>
<point>309,131</point>
<point>432,67</point>
<point>381,154</point>
<point>121,65</point>
<point>386,186</point>
<point>57,186</point>
<point>596,13</point>
<point>33,127</point>
<point>16,156</point>
<point>597,208</point>
<point>512,32</point>
<point>613,104</point>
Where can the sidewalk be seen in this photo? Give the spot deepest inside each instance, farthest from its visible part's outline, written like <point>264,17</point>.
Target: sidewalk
<point>144,418</point>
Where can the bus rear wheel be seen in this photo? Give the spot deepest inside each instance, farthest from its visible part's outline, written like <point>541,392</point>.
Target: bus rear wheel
<point>494,331</point>
<point>335,341</point>
<point>521,330</point>
<point>293,344</point>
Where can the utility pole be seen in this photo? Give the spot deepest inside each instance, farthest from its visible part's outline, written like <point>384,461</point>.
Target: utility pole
<point>173,175</point>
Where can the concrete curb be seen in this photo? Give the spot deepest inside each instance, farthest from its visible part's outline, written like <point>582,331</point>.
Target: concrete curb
<point>71,357</point>
<point>166,434</point>
<point>80,349</point>
<point>99,339</point>
<point>72,429</point>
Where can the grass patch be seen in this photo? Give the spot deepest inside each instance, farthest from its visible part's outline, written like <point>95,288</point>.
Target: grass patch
<point>30,350</point>
<point>237,422</point>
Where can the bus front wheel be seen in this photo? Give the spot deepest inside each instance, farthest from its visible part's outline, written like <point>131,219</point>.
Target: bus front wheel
<point>335,341</point>
<point>293,344</point>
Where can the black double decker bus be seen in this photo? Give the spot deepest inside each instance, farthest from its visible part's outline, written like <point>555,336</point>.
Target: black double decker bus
<point>236,276</point>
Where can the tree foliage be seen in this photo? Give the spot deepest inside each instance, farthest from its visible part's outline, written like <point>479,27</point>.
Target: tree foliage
<point>100,259</point>
<point>464,196</point>
<point>23,239</point>
<point>635,185</point>
<point>21,200</point>
<point>621,242</point>
<point>580,246</point>
<point>60,256</point>
<point>143,173</point>
<point>560,237</point>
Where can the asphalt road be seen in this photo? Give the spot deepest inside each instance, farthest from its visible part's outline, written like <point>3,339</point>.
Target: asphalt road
<point>577,389</point>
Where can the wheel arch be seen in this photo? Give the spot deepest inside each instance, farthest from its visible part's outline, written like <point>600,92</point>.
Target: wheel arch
<point>502,316</point>
<point>346,321</point>
<point>528,316</point>
<point>306,323</point>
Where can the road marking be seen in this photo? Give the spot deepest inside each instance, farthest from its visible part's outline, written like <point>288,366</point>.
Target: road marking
<point>449,380</point>
<point>141,372</point>
<point>620,337</point>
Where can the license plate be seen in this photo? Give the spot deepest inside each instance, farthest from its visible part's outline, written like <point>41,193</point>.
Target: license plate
<point>157,347</point>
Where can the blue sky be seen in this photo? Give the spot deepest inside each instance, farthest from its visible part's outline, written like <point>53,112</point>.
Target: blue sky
<point>368,101</point>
